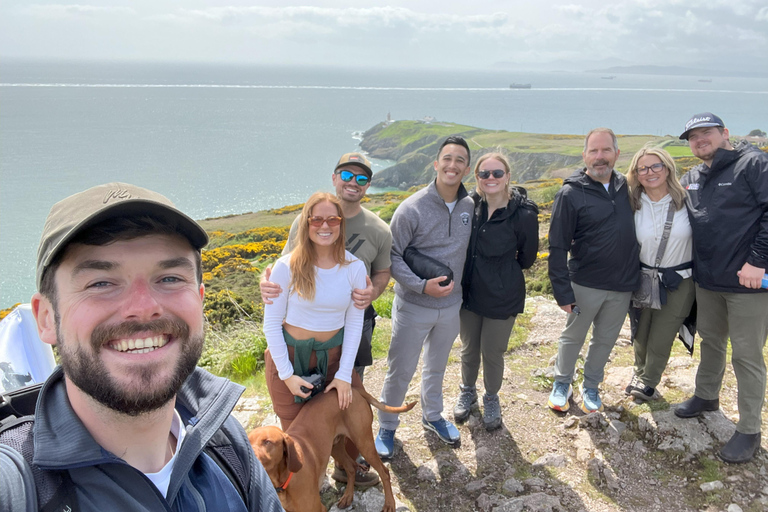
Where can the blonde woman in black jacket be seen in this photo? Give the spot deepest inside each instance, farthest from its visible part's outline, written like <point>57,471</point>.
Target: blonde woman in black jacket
<point>504,241</point>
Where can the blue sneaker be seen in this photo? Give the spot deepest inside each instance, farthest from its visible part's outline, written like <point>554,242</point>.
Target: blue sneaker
<point>385,443</point>
<point>590,400</point>
<point>558,398</point>
<point>444,429</point>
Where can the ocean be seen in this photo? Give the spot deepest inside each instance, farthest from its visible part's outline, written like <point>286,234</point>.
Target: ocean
<point>220,139</point>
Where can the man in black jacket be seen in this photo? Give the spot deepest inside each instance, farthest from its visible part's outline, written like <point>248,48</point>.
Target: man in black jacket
<point>728,209</point>
<point>591,218</point>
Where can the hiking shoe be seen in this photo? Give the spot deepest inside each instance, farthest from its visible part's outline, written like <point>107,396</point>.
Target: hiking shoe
<point>385,443</point>
<point>740,448</point>
<point>363,479</point>
<point>590,400</point>
<point>558,398</point>
<point>694,406</point>
<point>444,429</point>
<point>467,398</point>
<point>645,394</point>
<point>633,385</point>
<point>491,412</point>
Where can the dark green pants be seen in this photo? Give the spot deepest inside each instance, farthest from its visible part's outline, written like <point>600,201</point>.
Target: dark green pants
<point>743,317</point>
<point>487,337</point>
<point>656,332</point>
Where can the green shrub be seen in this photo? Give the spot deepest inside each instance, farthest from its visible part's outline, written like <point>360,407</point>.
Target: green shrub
<point>388,211</point>
<point>236,353</point>
<point>383,304</point>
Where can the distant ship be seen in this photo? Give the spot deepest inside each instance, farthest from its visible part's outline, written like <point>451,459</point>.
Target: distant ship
<point>705,80</point>
<point>611,77</point>
<point>519,86</point>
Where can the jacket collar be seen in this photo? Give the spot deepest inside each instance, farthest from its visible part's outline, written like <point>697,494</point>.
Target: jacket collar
<point>62,441</point>
<point>432,191</point>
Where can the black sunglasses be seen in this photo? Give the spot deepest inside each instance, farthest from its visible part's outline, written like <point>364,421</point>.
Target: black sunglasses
<point>497,173</point>
<point>360,179</point>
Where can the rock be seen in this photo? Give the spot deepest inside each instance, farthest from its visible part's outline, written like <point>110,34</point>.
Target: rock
<point>734,508</point>
<point>681,434</point>
<point>485,455</point>
<point>611,480</point>
<point>512,486</point>
<point>477,485</point>
<point>534,483</point>
<point>617,377</point>
<point>616,427</point>
<point>718,425</point>
<point>548,372</point>
<point>571,421</point>
<point>584,446</point>
<point>510,505</point>
<point>426,474</point>
<point>712,486</point>
<point>485,503</point>
<point>733,479</point>
<point>550,459</point>
<point>594,420</point>
<point>595,469</point>
<point>646,423</point>
<point>540,502</point>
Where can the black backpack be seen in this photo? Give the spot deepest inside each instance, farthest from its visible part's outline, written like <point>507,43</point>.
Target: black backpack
<point>55,490</point>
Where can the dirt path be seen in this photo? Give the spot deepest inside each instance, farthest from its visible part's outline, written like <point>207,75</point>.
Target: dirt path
<point>632,456</point>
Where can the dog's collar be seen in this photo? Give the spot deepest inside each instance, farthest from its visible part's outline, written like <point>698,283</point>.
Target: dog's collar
<point>283,487</point>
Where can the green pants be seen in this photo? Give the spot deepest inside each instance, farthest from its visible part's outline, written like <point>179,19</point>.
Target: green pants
<point>656,333</point>
<point>486,336</point>
<point>743,317</point>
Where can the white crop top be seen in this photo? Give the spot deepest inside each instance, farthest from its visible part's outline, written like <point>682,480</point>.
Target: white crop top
<point>331,309</point>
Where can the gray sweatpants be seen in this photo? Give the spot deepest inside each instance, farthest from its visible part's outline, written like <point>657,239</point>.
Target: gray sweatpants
<point>607,311</point>
<point>414,327</point>
<point>743,317</point>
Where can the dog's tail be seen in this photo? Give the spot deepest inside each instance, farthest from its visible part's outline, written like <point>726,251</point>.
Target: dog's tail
<point>386,408</point>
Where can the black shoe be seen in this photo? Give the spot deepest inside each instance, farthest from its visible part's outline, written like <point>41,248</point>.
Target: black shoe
<point>740,448</point>
<point>645,394</point>
<point>694,406</point>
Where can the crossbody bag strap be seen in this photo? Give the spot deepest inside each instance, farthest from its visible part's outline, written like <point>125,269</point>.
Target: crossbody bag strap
<point>665,234</point>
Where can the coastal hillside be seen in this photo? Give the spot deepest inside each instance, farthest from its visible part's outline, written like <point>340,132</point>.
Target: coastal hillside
<point>414,144</point>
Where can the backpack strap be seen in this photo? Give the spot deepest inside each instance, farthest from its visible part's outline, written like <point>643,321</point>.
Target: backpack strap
<point>55,490</point>
<point>221,449</point>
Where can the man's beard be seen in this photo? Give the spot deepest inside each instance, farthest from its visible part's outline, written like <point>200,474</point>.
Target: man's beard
<point>87,371</point>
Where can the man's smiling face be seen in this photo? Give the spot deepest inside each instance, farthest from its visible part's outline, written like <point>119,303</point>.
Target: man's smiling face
<point>128,320</point>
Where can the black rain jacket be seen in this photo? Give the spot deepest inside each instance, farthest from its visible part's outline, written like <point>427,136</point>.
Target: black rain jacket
<point>499,249</point>
<point>728,210</point>
<point>598,228</point>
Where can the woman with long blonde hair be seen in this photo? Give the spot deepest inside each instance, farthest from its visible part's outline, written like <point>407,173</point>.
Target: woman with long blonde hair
<point>315,326</point>
<point>656,196</point>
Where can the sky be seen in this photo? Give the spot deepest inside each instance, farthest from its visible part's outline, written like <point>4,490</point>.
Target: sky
<point>715,35</point>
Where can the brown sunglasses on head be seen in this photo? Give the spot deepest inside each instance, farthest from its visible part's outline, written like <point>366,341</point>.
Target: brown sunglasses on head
<point>332,221</point>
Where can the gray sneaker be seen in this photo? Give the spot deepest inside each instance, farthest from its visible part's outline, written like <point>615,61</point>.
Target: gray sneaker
<point>467,398</point>
<point>491,412</point>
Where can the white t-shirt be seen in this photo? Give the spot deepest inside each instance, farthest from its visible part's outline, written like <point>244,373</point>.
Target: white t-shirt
<point>331,309</point>
<point>162,478</point>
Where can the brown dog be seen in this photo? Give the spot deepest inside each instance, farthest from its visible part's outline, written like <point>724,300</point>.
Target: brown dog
<point>296,460</point>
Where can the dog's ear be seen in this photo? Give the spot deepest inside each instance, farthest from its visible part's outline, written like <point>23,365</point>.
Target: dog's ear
<point>293,458</point>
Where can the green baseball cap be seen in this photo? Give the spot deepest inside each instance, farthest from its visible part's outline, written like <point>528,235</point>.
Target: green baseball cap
<point>80,211</point>
<point>355,159</point>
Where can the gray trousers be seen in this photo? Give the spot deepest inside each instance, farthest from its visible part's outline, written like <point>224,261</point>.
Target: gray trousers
<point>414,327</point>
<point>489,337</point>
<point>656,332</point>
<point>743,316</point>
<point>607,311</point>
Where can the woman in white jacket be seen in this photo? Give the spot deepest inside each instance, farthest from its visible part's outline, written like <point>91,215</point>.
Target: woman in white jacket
<point>654,189</point>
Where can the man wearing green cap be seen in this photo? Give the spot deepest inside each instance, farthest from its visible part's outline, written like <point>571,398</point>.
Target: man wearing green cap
<point>127,422</point>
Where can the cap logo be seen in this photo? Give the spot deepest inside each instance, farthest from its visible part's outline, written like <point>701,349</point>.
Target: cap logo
<point>117,194</point>
<point>697,120</point>
<point>354,157</point>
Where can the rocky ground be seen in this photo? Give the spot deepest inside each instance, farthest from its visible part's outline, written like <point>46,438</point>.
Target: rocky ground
<point>635,457</point>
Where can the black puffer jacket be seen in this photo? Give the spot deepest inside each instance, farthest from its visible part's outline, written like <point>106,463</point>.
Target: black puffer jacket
<point>499,249</point>
<point>598,228</point>
<point>728,209</point>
